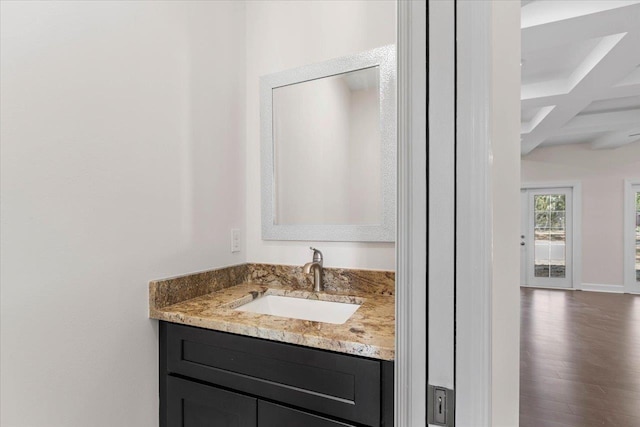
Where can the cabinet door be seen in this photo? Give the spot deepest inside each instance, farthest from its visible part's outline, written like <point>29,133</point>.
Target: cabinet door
<point>190,404</point>
<point>271,415</point>
<point>339,385</point>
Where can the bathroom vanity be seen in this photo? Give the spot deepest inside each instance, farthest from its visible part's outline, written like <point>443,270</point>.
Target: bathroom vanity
<point>215,378</point>
<point>222,366</point>
<point>263,345</point>
<point>229,357</point>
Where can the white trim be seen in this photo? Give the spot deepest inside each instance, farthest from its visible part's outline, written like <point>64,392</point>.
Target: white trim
<point>474,215</point>
<point>411,246</point>
<point>385,59</point>
<point>551,282</point>
<point>558,288</point>
<point>630,283</point>
<point>576,187</point>
<point>441,261</point>
<point>596,287</point>
<point>531,185</point>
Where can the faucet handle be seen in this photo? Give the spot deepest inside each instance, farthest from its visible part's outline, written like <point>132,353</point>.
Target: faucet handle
<point>317,255</point>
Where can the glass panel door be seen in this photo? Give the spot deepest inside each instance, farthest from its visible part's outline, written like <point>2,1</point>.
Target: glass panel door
<point>550,235</point>
<point>632,236</point>
<point>637,234</point>
<point>548,238</point>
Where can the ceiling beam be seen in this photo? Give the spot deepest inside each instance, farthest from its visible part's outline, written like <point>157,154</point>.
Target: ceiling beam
<point>598,122</point>
<point>574,30</point>
<point>531,124</point>
<point>618,58</point>
<point>616,139</point>
<point>614,92</point>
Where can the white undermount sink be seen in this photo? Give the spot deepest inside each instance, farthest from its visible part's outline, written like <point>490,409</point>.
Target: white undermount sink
<point>300,308</point>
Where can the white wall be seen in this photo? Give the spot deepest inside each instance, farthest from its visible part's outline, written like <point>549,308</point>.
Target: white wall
<point>122,161</point>
<point>602,174</point>
<point>283,35</point>
<point>505,170</point>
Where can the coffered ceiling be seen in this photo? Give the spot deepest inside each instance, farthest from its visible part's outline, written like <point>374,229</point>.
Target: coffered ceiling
<point>580,73</point>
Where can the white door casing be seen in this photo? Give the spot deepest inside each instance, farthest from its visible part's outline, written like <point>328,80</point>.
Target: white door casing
<point>411,244</point>
<point>441,256</point>
<point>474,230</point>
<point>487,175</point>
<point>548,255</point>
<point>524,222</point>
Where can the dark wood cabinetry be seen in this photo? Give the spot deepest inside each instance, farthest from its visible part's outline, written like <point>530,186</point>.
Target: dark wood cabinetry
<point>210,378</point>
<point>191,404</point>
<point>272,415</point>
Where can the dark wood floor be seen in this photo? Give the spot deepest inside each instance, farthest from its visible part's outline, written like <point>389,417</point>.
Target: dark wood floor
<point>580,359</point>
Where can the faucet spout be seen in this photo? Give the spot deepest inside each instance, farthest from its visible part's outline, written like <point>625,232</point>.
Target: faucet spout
<point>316,266</point>
<point>308,266</point>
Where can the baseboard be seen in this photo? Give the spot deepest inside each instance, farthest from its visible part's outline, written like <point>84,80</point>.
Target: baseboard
<point>550,288</point>
<point>596,287</point>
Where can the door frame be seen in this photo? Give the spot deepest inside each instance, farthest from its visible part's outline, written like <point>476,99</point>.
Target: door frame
<point>576,218</point>
<point>486,366</point>
<point>531,280</point>
<point>473,27</point>
<point>630,284</point>
<point>411,242</point>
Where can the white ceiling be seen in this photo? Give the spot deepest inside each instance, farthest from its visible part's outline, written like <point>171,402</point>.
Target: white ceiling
<point>580,73</point>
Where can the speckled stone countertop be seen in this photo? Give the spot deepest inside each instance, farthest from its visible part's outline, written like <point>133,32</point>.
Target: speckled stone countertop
<point>370,332</point>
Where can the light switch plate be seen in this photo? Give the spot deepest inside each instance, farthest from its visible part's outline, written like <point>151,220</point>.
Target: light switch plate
<point>235,240</point>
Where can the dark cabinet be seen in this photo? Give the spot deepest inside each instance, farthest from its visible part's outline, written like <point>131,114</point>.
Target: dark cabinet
<point>211,378</point>
<point>190,404</point>
<point>272,415</point>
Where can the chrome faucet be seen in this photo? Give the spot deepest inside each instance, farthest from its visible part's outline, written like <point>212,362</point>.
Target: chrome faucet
<point>316,265</point>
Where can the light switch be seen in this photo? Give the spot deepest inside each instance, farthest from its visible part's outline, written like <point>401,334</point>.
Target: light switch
<point>235,240</point>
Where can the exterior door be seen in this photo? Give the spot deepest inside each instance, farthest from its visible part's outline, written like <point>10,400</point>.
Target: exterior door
<point>546,248</point>
<point>632,237</point>
<point>636,234</point>
<point>524,229</point>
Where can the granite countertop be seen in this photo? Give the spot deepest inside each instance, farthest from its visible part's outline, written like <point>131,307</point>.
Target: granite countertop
<point>369,332</point>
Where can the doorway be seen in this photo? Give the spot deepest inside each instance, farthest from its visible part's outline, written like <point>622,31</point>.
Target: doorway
<point>632,236</point>
<point>546,239</point>
<point>635,234</point>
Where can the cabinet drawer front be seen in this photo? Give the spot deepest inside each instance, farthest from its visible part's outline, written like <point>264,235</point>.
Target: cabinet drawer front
<point>190,404</point>
<point>271,415</point>
<point>344,386</point>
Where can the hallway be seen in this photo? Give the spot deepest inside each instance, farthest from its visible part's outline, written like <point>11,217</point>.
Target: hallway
<point>580,359</point>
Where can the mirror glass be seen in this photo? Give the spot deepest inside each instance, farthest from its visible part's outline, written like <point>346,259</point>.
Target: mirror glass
<point>328,151</point>
<point>326,139</point>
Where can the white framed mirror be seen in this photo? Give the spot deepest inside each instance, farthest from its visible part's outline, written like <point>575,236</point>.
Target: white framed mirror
<point>328,141</point>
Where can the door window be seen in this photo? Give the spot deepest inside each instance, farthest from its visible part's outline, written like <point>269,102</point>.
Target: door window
<point>637,234</point>
<point>550,235</point>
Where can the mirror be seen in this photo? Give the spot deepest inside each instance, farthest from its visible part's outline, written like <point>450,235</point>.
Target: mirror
<point>326,132</point>
<point>329,150</point>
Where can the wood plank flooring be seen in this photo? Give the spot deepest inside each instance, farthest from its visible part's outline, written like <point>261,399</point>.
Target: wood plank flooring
<point>579,359</point>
